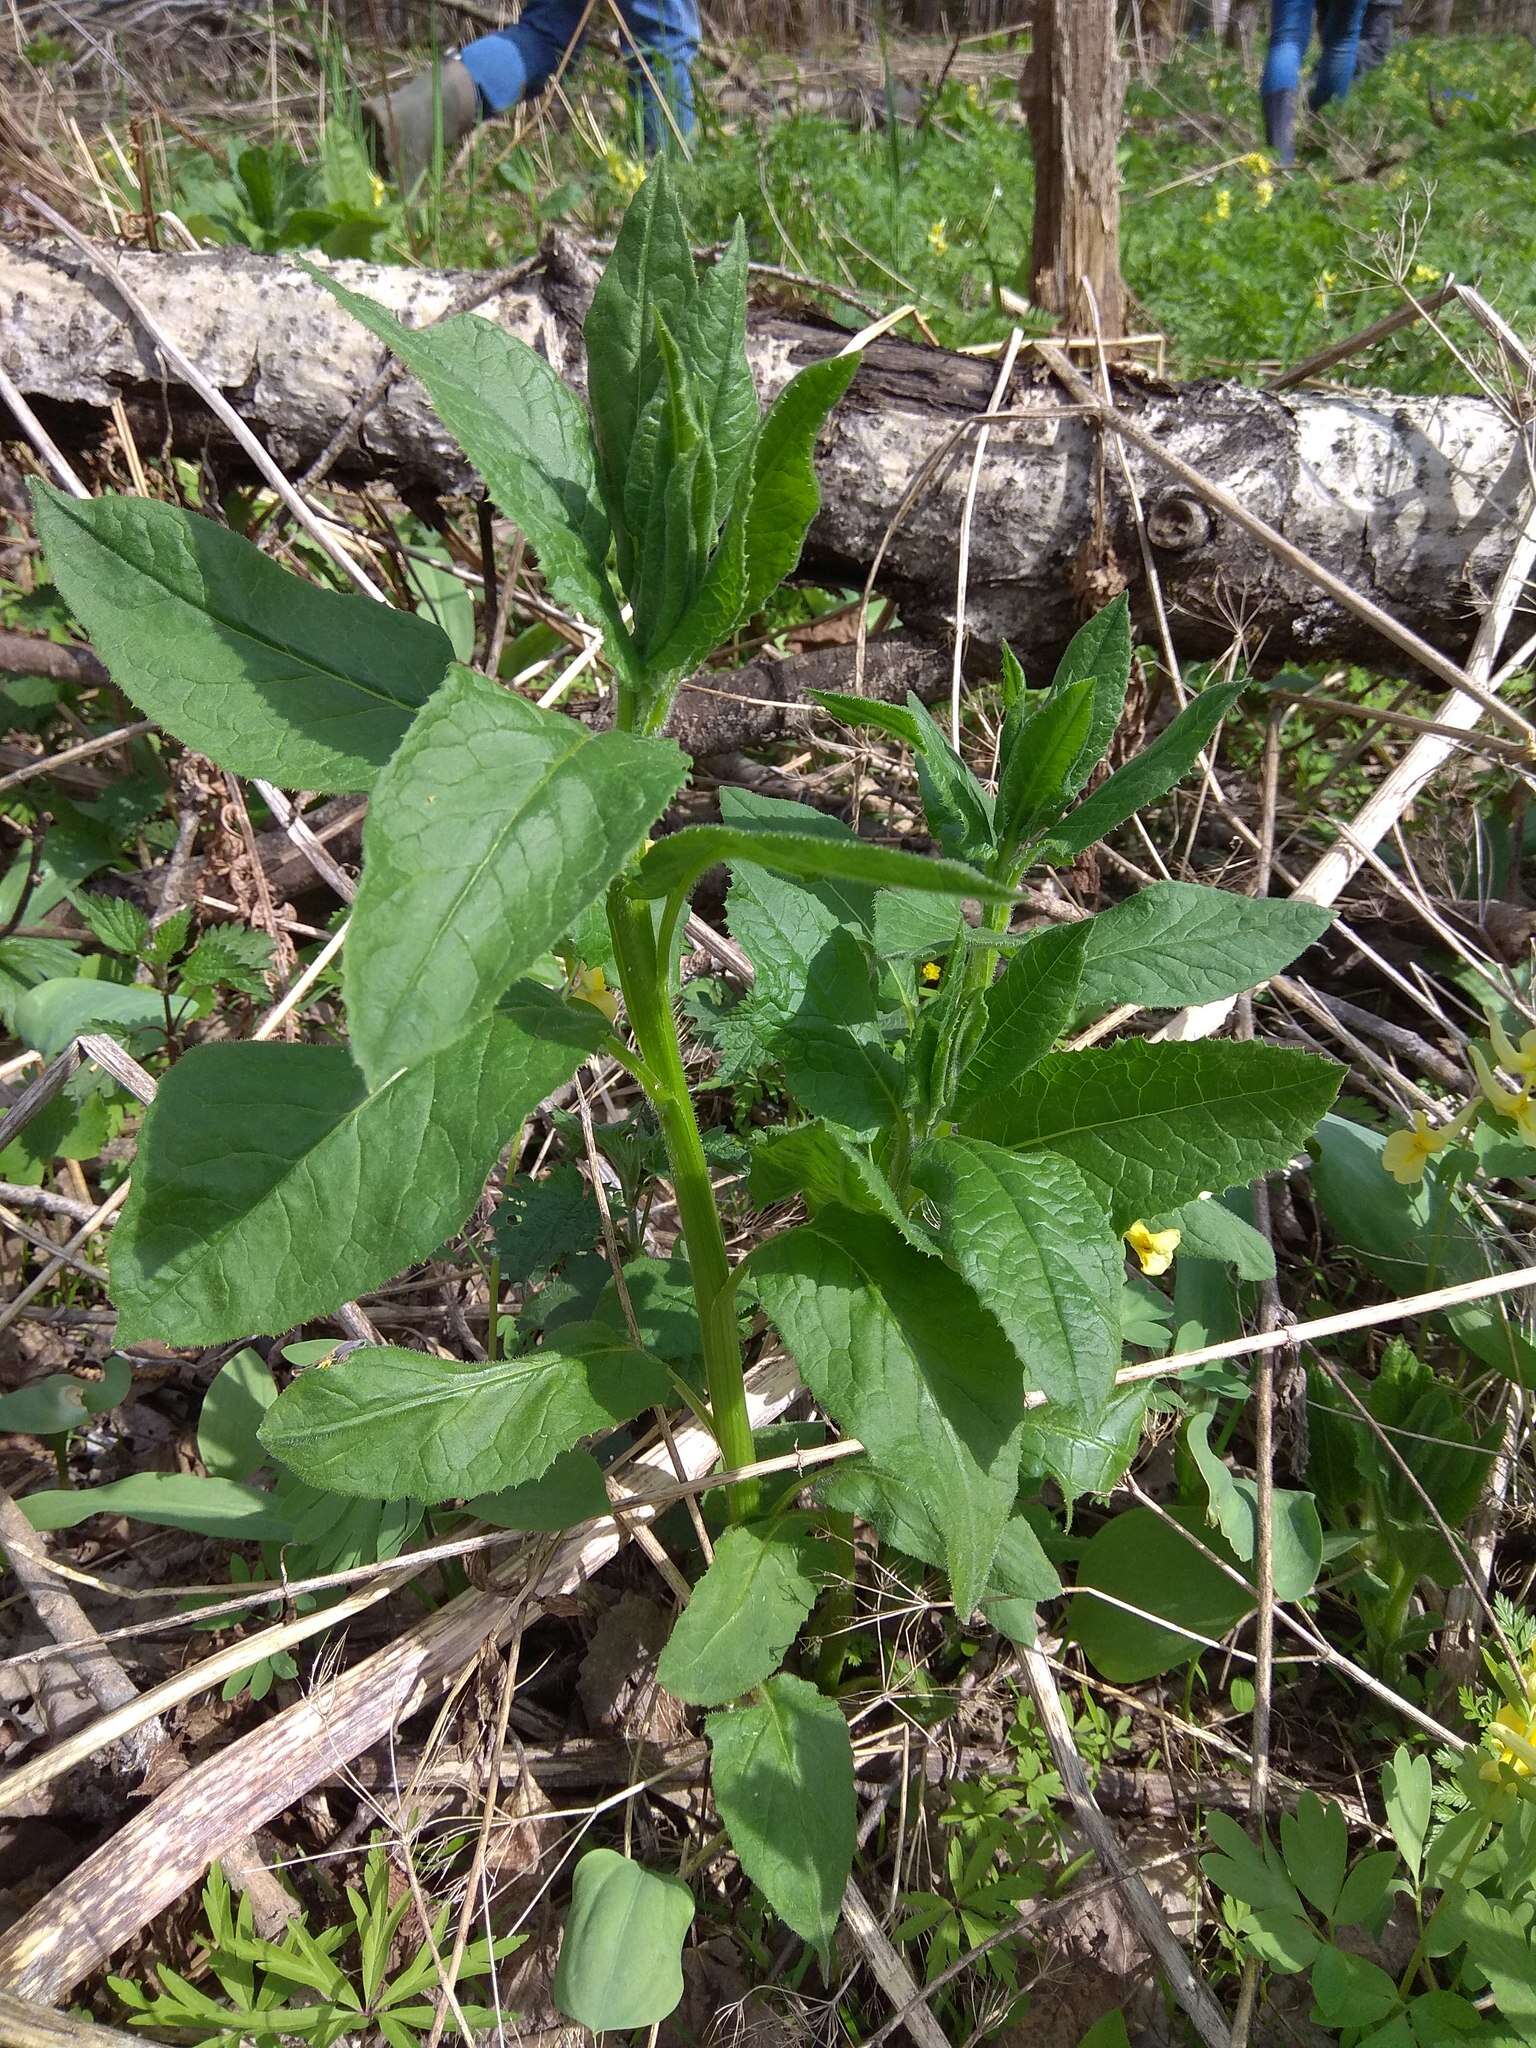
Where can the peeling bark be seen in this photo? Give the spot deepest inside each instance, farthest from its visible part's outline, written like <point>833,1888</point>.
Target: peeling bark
<point>1411,499</point>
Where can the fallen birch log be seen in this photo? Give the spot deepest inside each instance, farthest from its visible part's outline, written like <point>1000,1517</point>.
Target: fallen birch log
<point>1413,501</point>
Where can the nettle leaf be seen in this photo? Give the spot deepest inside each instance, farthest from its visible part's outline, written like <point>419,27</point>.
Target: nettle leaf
<point>1144,779</point>
<point>527,433</point>
<point>272,1183</point>
<point>650,272</point>
<point>621,1955</point>
<point>492,829</point>
<point>828,1167</point>
<point>958,809</point>
<point>1030,1005</point>
<point>264,673</point>
<point>1035,1243</point>
<point>1040,775</point>
<point>1177,943</point>
<point>1152,1126</point>
<point>902,1354</point>
<point>783,1781</point>
<point>744,1614</point>
<point>389,1424</point>
<point>120,925</point>
<point>677,862</point>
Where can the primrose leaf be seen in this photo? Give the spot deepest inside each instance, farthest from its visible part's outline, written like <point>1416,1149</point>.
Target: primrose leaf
<point>272,1183</point>
<point>1030,1005</point>
<point>492,829</point>
<point>744,1614</point>
<point>1296,1533</point>
<point>1038,775</point>
<point>1034,1242</point>
<point>621,1955</point>
<point>527,433</point>
<point>677,862</point>
<point>1084,1450</point>
<point>1146,777</point>
<point>1152,1126</point>
<point>1208,1229</point>
<point>1143,1561</point>
<point>264,673</point>
<point>900,1352</point>
<point>1177,943</point>
<point>1020,1570</point>
<point>783,1781</point>
<point>389,1424</point>
<point>171,1500</point>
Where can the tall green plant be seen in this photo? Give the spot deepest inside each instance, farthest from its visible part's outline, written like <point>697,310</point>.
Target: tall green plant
<point>967,1185</point>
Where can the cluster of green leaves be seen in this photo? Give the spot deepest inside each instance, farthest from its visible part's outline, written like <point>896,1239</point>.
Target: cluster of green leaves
<point>268,197</point>
<point>1303,1905</point>
<point>299,1987</point>
<point>955,1296</point>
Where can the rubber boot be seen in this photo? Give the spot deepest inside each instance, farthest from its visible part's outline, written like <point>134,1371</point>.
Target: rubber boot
<point>403,122</point>
<point>1280,125</point>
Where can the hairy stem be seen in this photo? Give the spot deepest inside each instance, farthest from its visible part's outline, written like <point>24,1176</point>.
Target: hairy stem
<point>643,977</point>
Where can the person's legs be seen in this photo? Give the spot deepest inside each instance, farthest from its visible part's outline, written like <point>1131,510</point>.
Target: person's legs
<point>667,32</point>
<point>514,63</point>
<point>1290,30</point>
<point>1339,24</point>
<point>1376,35</point>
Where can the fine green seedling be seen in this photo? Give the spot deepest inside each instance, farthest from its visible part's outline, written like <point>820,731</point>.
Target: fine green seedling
<point>954,1296</point>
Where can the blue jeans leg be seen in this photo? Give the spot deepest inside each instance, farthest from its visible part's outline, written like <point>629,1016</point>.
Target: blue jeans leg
<point>1338,23</point>
<point>1290,31</point>
<point>515,63</point>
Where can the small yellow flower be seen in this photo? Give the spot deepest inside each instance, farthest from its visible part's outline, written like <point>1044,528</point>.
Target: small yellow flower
<point>1518,1104</point>
<point>973,95</point>
<point>1223,207</point>
<point>376,191</point>
<point>1257,162</point>
<point>1406,1153</point>
<point>1514,1730</point>
<point>1422,274</point>
<point>628,175</point>
<point>930,973</point>
<point>938,241</point>
<point>1154,1248</point>
<point>1515,1059</point>
<point>1263,192</point>
<point>591,986</point>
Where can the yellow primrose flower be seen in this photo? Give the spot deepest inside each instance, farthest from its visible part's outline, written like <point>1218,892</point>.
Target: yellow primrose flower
<point>1154,1248</point>
<point>1515,1103</point>
<point>1514,1730</point>
<point>1257,162</point>
<point>591,986</point>
<point>938,241</point>
<point>1223,207</point>
<point>1263,192</point>
<point>1514,1059</point>
<point>930,974</point>
<point>1406,1153</point>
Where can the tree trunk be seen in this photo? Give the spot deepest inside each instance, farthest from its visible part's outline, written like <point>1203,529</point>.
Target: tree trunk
<point>1411,500</point>
<point>1074,93</point>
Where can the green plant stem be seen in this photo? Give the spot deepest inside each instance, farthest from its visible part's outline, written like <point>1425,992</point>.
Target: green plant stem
<point>1452,1884</point>
<point>648,1001</point>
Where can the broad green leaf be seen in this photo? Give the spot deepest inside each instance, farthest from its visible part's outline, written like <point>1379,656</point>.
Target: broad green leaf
<point>171,1500</point>
<point>1152,1126</point>
<point>782,923</point>
<point>1084,1450</point>
<point>1296,1534</point>
<point>60,1402</point>
<point>674,524</point>
<point>1109,2032</point>
<point>492,829</point>
<point>1351,1991</point>
<point>272,1183</point>
<point>832,1048</point>
<point>715,348</point>
<point>527,433</point>
<point>744,1614</point>
<point>650,272</point>
<point>777,497</point>
<point>1315,1843</point>
<point>1249,1871</point>
<point>903,1356</point>
<point>1146,777</point>
<point>1177,943</point>
<point>783,1781</point>
<point>1283,1939</point>
<point>829,1168</point>
<point>1038,776</point>
<point>1029,1006</point>
<point>621,1955</point>
<point>391,1424</point>
<point>1035,1244</point>
<point>1020,1570</point>
<point>1140,1560</point>
<point>1407,1784</point>
<point>1100,652</point>
<point>1208,1229</point>
<point>958,809</point>
<point>677,862</point>
<point>1368,1886</point>
<point>568,1491</point>
<point>54,1012</point>
<point>264,673</point>
<point>241,1392</point>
